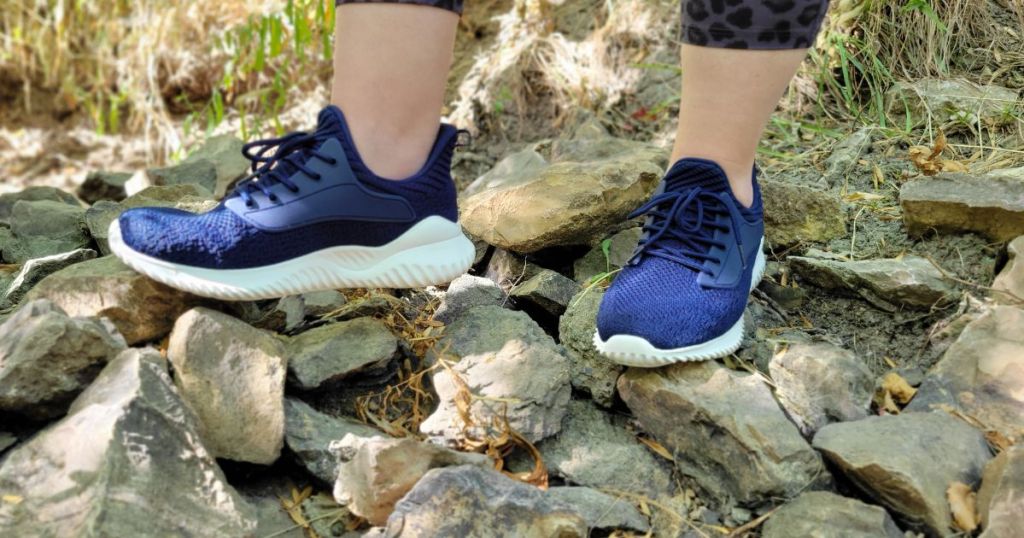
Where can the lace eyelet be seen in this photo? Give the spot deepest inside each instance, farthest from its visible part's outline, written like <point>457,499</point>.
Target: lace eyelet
<point>318,177</point>
<point>251,205</point>
<point>333,161</point>
<point>274,198</point>
<point>293,189</point>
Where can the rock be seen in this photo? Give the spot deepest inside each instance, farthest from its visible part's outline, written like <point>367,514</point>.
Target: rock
<point>200,172</point>
<point>1011,278</point>
<point>620,249</point>
<point>188,197</point>
<point>47,358</point>
<point>326,355</point>
<point>906,462</point>
<point>32,194</point>
<point>845,155</point>
<point>587,187</point>
<point>140,308</point>
<point>129,444</point>
<point>233,376</point>
<point>7,440</point>
<point>309,433</point>
<point>507,269</point>
<point>759,453</point>
<point>982,374</point>
<point>1000,496</point>
<point>224,152</point>
<point>940,101</point>
<point>470,502</point>
<point>600,510</point>
<point>910,281</point>
<point>292,311</point>
<point>797,213</point>
<point>588,370</point>
<point>818,383</point>
<point>465,292</point>
<point>43,228</point>
<point>547,290</point>
<point>827,515</point>
<point>6,244</point>
<point>376,472</point>
<point>37,269</point>
<point>101,185</point>
<point>987,204</point>
<point>595,450</point>
<point>508,361</point>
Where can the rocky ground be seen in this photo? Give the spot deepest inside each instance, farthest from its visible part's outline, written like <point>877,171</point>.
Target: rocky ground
<point>878,392</point>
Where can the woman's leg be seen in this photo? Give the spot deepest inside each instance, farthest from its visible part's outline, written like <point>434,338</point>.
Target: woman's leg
<point>729,90</point>
<point>391,62</point>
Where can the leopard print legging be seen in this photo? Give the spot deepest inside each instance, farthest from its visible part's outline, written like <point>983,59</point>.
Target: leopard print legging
<point>735,24</point>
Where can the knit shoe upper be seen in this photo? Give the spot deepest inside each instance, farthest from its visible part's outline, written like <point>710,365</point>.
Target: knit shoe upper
<point>307,192</point>
<point>690,276</point>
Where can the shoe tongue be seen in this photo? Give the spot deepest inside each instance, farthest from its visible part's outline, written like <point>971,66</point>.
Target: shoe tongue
<point>692,172</point>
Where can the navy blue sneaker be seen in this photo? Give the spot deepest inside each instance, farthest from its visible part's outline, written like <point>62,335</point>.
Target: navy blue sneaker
<point>311,216</point>
<point>682,295</point>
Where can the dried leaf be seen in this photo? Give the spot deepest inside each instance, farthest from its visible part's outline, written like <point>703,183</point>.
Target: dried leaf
<point>865,196</point>
<point>963,505</point>
<point>877,176</point>
<point>898,387</point>
<point>13,499</point>
<point>929,160</point>
<point>657,447</point>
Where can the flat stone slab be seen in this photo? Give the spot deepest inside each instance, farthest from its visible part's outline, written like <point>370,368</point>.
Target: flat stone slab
<point>990,205</point>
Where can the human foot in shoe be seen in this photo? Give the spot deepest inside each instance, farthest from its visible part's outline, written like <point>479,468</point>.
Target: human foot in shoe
<point>682,295</point>
<point>311,216</point>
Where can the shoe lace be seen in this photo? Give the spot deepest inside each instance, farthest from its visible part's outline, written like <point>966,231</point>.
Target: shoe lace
<point>681,227</point>
<point>293,152</point>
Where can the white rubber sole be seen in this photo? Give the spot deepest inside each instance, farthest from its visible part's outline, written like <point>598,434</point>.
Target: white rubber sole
<point>630,350</point>
<point>433,252</point>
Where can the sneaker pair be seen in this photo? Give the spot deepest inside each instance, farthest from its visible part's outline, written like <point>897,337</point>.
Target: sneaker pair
<point>313,216</point>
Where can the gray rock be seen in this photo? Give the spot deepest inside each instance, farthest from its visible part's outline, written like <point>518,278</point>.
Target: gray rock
<point>374,473</point>
<point>6,244</point>
<point>589,371</point>
<point>600,510</point>
<point>32,194</point>
<point>588,187</point>
<point>233,376</point>
<point>187,197</point>
<point>129,444</point>
<point>200,172</point>
<point>941,100</point>
<point>759,454</point>
<point>999,498</point>
<point>507,269</point>
<point>470,502</point>
<point>547,290</point>
<point>43,228</point>
<point>620,249</point>
<point>797,213</point>
<point>906,462</point>
<point>819,383</point>
<point>293,311</point>
<point>47,358</point>
<point>987,204</point>
<point>224,152</point>
<point>1010,281</point>
<point>37,269</point>
<point>981,374</point>
<point>140,308</point>
<point>465,292</point>
<point>513,368</point>
<point>845,155</point>
<point>910,281</point>
<point>309,433</point>
<point>328,354</point>
<point>826,515</point>
<point>102,185</point>
<point>594,449</point>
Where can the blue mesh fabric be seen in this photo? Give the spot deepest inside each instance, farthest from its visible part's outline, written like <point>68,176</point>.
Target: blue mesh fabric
<point>660,300</point>
<point>220,239</point>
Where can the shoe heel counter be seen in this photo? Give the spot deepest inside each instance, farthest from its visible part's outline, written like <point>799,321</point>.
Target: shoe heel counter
<point>439,172</point>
